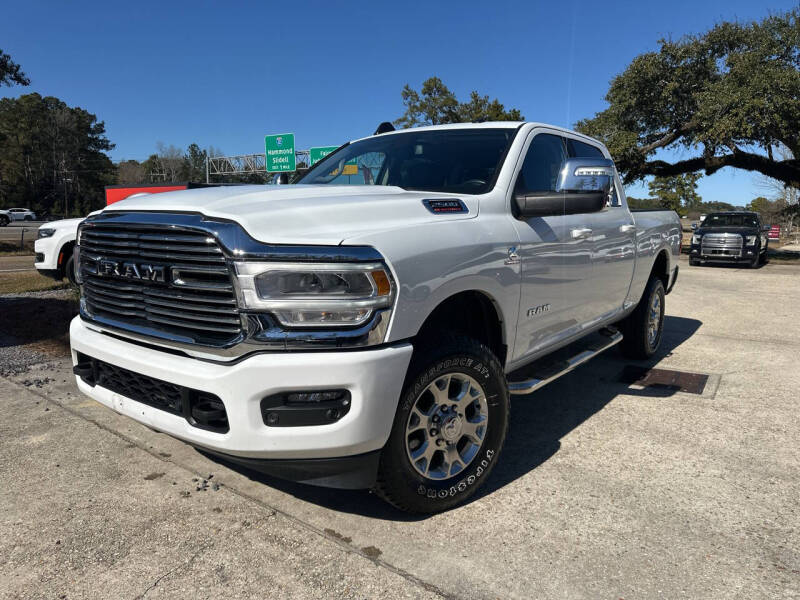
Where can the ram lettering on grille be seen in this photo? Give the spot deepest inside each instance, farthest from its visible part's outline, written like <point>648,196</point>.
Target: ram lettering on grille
<point>175,282</point>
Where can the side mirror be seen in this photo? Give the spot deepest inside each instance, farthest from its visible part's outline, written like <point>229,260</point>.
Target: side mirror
<point>694,225</point>
<point>583,186</point>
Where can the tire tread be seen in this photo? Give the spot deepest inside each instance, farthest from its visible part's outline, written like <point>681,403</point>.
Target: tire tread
<point>446,344</point>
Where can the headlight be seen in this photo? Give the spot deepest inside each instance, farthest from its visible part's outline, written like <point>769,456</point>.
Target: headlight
<point>315,295</point>
<point>750,240</point>
<point>45,232</point>
<point>696,239</point>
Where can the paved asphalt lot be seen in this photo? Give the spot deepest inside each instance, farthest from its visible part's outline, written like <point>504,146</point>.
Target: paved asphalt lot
<point>603,491</point>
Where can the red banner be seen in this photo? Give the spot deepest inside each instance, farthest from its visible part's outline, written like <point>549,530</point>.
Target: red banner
<point>116,193</point>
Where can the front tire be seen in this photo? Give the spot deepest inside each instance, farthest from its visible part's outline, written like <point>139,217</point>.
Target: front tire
<point>756,262</point>
<point>643,328</point>
<point>69,271</point>
<point>4,221</point>
<point>449,428</point>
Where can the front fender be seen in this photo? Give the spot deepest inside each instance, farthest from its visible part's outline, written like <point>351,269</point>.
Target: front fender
<point>436,261</point>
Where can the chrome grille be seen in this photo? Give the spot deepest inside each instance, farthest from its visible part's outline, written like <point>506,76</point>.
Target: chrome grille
<point>722,244</point>
<point>191,295</point>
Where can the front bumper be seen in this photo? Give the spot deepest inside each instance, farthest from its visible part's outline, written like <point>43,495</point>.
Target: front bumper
<point>374,379</point>
<point>47,249</point>
<point>747,254</point>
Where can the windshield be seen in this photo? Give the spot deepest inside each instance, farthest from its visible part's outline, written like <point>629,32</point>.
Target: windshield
<point>733,220</point>
<point>463,161</point>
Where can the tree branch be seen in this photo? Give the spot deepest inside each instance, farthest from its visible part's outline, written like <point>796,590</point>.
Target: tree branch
<point>667,139</point>
<point>787,171</point>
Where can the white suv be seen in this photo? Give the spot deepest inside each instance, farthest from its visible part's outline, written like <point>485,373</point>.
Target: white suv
<point>16,214</point>
<point>53,247</point>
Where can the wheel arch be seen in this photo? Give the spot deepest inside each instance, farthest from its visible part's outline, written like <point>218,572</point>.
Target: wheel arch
<point>63,256</point>
<point>469,312</point>
<point>661,267</point>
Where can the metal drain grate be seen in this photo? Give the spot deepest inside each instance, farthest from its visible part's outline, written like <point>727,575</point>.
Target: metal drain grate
<point>664,379</point>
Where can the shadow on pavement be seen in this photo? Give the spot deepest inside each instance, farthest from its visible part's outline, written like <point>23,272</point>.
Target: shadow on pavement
<point>538,422</point>
<point>37,320</point>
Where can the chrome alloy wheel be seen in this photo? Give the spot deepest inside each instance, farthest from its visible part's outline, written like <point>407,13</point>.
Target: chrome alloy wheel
<point>446,426</point>
<point>654,320</point>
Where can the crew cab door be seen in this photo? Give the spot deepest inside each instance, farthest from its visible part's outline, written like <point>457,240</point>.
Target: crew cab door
<point>613,244</point>
<point>555,254</point>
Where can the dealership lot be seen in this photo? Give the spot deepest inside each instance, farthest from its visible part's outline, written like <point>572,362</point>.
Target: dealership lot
<point>604,489</point>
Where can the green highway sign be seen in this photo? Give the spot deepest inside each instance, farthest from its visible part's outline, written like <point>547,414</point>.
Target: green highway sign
<point>280,153</point>
<point>317,154</point>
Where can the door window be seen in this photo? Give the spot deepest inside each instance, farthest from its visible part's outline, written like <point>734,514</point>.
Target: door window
<point>580,150</point>
<point>542,164</point>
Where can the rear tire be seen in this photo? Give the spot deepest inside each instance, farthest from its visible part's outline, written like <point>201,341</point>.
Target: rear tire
<point>643,328</point>
<point>449,428</point>
<point>28,218</point>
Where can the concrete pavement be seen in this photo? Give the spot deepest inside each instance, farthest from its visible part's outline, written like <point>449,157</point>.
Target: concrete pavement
<point>602,490</point>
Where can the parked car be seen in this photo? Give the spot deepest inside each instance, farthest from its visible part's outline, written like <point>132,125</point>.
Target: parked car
<point>733,236</point>
<point>53,247</point>
<point>19,214</point>
<point>367,327</point>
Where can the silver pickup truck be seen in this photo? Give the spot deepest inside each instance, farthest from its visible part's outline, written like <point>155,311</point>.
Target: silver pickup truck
<point>366,327</point>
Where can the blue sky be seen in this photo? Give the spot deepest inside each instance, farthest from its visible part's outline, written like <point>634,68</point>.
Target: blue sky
<point>226,74</point>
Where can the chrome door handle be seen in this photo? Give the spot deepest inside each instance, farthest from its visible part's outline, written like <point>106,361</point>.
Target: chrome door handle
<point>581,233</point>
<point>627,228</point>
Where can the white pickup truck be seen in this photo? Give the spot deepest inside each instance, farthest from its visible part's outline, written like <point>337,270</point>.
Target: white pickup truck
<point>366,327</point>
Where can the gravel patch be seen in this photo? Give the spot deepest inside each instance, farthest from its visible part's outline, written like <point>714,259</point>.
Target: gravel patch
<point>34,328</point>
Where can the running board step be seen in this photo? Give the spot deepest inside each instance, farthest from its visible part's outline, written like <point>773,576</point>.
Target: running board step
<point>541,372</point>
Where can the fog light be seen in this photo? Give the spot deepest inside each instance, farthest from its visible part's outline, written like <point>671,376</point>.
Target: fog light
<point>305,397</point>
<point>303,408</point>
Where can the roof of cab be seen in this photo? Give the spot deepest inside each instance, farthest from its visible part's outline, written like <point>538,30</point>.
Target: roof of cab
<point>482,125</point>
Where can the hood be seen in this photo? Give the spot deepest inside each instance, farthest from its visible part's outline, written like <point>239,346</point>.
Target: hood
<point>62,224</point>
<point>304,214</point>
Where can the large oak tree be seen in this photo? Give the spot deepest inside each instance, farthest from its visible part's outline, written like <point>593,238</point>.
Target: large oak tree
<point>728,98</point>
